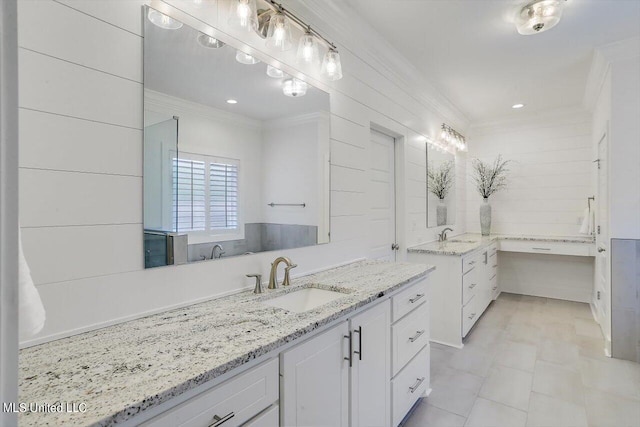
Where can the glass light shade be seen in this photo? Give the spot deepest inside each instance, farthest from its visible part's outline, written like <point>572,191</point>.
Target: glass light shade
<point>163,21</point>
<point>539,16</point>
<point>243,15</point>
<point>209,42</point>
<point>294,87</point>
<point>308,50</point>
<point>274,72</point>
<point>279,33</point>
<point>245,58</point>
<point>331,67</point>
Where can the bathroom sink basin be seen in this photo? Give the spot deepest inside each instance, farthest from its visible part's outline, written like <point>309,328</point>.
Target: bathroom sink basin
<point>304,299</point>
<point>460,241</point>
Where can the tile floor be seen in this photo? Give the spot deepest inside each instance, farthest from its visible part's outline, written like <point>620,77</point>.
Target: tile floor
<point>533,362</point>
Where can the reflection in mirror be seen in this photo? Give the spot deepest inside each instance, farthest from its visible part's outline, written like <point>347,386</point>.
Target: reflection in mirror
<point>236,152</point>
<point>441,172</point>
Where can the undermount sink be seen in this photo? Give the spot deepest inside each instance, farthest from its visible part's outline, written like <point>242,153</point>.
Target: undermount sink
<point>460,241</point>
<point>304,299</point>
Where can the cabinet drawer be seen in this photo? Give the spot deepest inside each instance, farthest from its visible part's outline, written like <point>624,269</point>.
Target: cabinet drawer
<point>409,335</point>
<point>470,262</point>
<point>470,314</point>
<point>238,400</point>
<point>410,385</point>
<point>409,299</point>
<point>470,282</point>
<point>493,250</point>
<point>553,248</point>
<point>269,418</point>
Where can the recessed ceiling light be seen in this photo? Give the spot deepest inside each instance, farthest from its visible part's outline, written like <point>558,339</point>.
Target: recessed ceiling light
<point>163,21</point>
<point>231,101</point>
<point>516,106</point>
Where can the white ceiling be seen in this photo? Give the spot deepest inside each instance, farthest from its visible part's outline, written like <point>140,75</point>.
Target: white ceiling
<point>471,51</point>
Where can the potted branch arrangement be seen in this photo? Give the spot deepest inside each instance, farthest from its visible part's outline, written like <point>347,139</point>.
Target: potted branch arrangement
<point>489,179</point>
<point>439,181</point>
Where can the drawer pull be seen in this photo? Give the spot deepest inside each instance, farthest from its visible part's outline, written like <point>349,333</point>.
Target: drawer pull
<point>494,288</point>
<point>359,332</point>
<point>472,316</point>
<point>473,285</point>
<point>495,266</point>
<point>217,421</point>
<point>471,262</point>
<point>541,249</point>
<point>416,298</point>
<point>350,338</point>
<point>414,387</point>
<point>417,335</point>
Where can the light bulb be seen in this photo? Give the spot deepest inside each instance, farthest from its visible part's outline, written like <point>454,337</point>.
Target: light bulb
<point>308,49</point>
<point>209,42</point>
<point>279,32</point>
<point>243,15</point>
<point>331,67</point>
<point>294,87</point>
<point>163,21</point>
<point>274,72</point>
<point>245,58</point>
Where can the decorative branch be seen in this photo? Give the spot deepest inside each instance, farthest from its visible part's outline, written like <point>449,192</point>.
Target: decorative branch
<point>440,180</point>
<point>490,178</point>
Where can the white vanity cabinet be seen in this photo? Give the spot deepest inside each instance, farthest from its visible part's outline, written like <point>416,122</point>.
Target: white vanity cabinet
<point>346,365</point>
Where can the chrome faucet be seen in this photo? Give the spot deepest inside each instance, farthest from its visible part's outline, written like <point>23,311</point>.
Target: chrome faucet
<point>442,237</point>
<point>220,251</point>
<point>273,279</point>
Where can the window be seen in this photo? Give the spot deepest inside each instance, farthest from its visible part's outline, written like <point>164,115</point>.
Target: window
<point>205,196</point>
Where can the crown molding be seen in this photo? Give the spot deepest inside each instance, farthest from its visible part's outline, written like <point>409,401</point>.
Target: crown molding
<point>623,49</point>
<point>352,33</point>
<point>535,119</point>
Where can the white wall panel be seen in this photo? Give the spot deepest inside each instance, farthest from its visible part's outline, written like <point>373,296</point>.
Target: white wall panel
<point>350,132</point>
<point>51,141</point>
<point>124,14</point>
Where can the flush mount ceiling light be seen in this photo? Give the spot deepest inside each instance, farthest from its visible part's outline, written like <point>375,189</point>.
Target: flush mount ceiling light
<point>517,106</point>
<point>274,22</point>
<point>231,101</point>
<point>209,42</point>
<point>274,72</point>
<point>245,58</point>
<point>539,16</point>
<point>163,21</point>
<point>294,87</point>
<point>243,15</point>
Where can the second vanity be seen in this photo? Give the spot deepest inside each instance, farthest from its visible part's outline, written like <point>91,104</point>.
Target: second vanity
<point>361,358</point>
<point>466,277</point>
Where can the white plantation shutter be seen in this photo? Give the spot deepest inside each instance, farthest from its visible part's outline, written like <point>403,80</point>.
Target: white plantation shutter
<point>205,196</point>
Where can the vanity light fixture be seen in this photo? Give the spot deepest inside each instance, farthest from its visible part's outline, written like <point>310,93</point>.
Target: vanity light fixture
<point>450,140</point>
<point>331,66</point>
<point>245,58</point>
<point>279,33</point>
<point>539,16</point>
<point>231,101</point>
<point>243,15</point>
<point>308,49</point>
<point>517,106</point>
<point>209,42</point>
<point>274,72</point>
<point>163,21</point>
<point>294,87</point>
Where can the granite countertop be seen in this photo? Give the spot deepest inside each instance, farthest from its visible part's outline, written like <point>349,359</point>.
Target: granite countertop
<point>124,369</point>
<point>466,243</point>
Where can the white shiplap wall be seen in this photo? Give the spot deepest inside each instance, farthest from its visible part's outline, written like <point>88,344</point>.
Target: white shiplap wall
<point>81,125</point>
<point>551,173</point>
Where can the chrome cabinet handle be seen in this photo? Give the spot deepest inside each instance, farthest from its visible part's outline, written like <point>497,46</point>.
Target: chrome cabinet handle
<point>495,266</point>
<point>471,262</point>
<point>217,421</point>
<point>473,285</point>
<point>472,316</point>
<point>414,387</point>
<point>494,288</point>
<point>601,249</point>
<point>350,359</point>
<point>416,298</point>
<point>541,249</point>
<point>417,335</point>
<point>359,332</point>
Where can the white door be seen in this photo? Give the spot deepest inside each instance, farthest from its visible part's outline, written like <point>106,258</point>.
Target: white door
<point>371,370</point>
<point>382,198</point>
<point>602,285</point>
<point>315,381</point>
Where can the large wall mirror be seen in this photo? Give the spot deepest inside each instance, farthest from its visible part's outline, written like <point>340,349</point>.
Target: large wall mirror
<point>441,188</point>
<point>236,152</point>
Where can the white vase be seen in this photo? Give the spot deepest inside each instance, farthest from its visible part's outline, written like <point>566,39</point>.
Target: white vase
<point>485,217</point>
<point>441,213</point>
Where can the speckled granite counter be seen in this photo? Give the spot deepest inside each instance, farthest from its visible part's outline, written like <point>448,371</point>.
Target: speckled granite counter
<point>466,243</point>
<point>124,369</point>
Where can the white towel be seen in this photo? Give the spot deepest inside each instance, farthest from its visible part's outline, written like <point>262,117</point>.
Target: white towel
<point>588,222</point>
<point>31,311</point>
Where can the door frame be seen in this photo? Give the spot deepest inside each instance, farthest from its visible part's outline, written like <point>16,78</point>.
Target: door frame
<point>396,131</point>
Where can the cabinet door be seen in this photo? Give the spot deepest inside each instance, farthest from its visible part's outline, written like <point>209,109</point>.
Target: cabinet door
<point>371,370</point>
<point>315,381</point>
